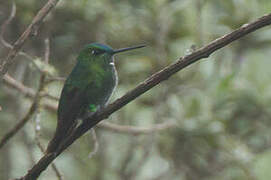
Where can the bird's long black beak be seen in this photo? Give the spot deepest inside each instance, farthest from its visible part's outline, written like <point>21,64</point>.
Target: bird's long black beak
<point>127,49</point>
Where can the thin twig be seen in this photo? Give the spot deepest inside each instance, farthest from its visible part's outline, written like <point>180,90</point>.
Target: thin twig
<point>31,30</point>
<point>96,144</point>
<point>52,79</point>
<point>47,50</point>
<point>4,28</point>
<point>8,45</point>
<point>143,87</point>
<point>36,100</point>
<point>27,91</point>
<point>5,24</point>
<point>18,126</point>
<point>135,131</point>
<point>27,117</point>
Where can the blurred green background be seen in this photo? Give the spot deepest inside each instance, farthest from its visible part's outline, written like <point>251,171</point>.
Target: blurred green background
<point>221,106</point>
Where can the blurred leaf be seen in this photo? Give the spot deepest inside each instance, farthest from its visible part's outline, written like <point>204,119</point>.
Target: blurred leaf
<point>47,68</point>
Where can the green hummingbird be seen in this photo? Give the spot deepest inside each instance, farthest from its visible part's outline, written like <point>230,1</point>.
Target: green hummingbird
<point>87,89</point>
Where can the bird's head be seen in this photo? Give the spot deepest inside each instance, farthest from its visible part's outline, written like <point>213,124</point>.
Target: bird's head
<point>101,52</point>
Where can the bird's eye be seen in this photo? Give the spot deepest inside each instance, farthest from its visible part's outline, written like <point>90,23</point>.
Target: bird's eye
<point>96,52</point>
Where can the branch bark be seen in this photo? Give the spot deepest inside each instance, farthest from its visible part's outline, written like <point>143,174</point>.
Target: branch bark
<point>27,91</point>
<point>35,104</point>
<point>5,24</point>
<point>18,126</point>
<point>31,30</point>
<point>143,87</point>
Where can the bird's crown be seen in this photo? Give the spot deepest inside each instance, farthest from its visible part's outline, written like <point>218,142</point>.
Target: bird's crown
<point>96,48</point>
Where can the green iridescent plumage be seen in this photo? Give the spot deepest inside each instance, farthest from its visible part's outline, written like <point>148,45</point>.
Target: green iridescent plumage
<point>87,88</point>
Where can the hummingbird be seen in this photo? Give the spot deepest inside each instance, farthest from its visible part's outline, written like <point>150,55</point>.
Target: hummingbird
<point>87,89</point>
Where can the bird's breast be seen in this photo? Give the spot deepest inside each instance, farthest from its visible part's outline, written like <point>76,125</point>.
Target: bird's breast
<point>103,86</point>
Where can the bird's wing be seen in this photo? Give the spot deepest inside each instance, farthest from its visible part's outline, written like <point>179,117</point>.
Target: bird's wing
<point>72,102</point>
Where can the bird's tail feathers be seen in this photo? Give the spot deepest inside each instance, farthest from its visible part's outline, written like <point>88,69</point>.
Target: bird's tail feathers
<point>62,132</point>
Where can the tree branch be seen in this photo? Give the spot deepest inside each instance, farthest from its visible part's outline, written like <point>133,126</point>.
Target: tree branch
<point>135,131</point>
<point>27,117</point>
<point>31,30</point>
<point>4,28</point>
<point>143,87</point>
<point>5,24</point>
<point>35,104</point>
<point>27,91</point>
<point>19,125</point>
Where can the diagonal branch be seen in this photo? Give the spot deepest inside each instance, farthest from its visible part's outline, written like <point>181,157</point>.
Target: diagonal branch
<point>143,87</point>
<point>18,126</point>
<point>27,117</point>
<point>31,30</point>
<point>27,91</point>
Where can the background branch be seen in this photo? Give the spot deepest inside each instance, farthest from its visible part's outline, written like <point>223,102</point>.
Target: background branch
<point>27,91</point>
<point>5,24</point>
<point>3,30</point>
<point>35,103</point>
<point>96,143</point>
<point>31,30</point>
<point>135,131</point>
<point>19,125</point>
<point>143,87</point>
